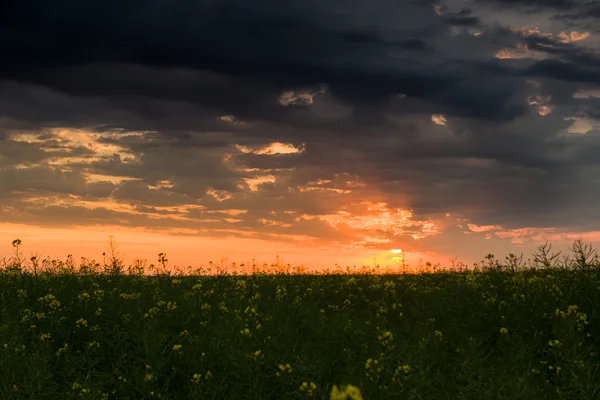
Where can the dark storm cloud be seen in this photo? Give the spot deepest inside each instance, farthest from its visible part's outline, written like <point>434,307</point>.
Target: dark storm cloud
<point>362,58</point>
<point>591,10</point>
<point>463,17</point>
<point>560,4</point>
<point>177,85</point>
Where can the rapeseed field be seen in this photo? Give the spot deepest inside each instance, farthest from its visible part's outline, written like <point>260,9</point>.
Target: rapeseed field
<point>501,331</point>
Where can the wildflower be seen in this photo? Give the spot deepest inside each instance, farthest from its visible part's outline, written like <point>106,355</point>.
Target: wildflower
<point>44,337</point>
<point>196,378</point>
<point>405,369</point>
<point>151,312</point>
<point>62,349</point>
<point>572,310</point>
<point>283,368</point>
<point>81,323</point>
<point>177,347</point>
<point>347,392</point>
<point>308,387</point>
<point>223,307</point>
<point>503,331</point>
<point>148,377</point>
<point>83,297</point>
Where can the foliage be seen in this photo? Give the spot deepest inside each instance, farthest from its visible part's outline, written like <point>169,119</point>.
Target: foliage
<point>501,331</point>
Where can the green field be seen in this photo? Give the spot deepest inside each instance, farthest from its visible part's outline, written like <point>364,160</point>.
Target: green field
<point>496,332</point>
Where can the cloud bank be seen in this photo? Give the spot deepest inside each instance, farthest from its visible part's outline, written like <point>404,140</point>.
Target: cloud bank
<point>367,125</point>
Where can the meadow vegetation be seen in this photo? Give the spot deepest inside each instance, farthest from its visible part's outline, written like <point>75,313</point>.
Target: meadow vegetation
<point>496,330</point>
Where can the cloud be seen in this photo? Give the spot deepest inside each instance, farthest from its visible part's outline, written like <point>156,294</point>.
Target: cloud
<point>272,120</point>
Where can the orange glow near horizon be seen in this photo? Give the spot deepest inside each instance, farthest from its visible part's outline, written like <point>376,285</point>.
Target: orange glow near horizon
<point>182,250</point>
<point>317,222</point>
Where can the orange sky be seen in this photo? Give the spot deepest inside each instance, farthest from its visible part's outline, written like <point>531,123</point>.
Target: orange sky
<point>444,131</point>
<point>183,250</point>
<point>360,230</point>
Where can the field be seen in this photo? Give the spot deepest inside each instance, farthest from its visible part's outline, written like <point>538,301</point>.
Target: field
<point>495,332</point>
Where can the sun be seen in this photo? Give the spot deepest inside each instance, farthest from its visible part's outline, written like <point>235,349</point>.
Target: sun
<point>396,251</point>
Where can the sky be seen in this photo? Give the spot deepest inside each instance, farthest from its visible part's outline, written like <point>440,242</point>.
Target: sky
<point>320,131</point>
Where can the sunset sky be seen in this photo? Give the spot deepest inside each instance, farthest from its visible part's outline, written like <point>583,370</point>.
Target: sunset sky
<point>320,131</point>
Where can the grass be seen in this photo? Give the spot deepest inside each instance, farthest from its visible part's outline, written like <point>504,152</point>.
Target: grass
<point>501,331</point>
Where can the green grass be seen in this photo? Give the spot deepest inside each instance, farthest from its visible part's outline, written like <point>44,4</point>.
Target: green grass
<point>491,333</point>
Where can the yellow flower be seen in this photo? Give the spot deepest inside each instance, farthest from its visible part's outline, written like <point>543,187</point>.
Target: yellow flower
<point>283,368</point>
<point>62,349</point>
<point>503,331</point>
<point>404,369</point>
<point>256,354</point>
<point>308,387</point>
<point>81,323</point>
<point>347,392</point>
<point>93,345</point>
<point>177,347</point>
<point>196,378</point>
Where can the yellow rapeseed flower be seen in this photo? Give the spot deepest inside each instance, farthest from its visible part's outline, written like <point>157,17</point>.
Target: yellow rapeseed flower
<point>347,392</point>
<point>196,378</point>
<point>283,368</point>
<point>308,387</point>
<point>81,323</point>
